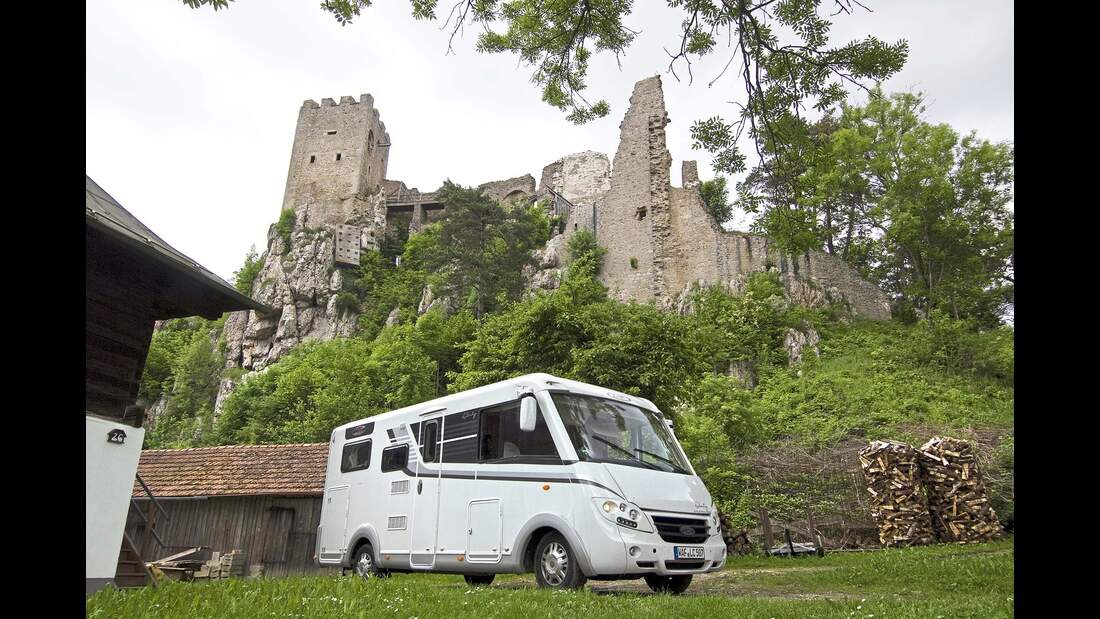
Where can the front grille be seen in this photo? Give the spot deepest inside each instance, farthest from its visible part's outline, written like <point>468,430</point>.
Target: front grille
<point>668,528</point>
<point>683,565</point>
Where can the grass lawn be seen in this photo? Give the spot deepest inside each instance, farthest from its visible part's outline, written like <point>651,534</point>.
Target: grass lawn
<point>938,581</point>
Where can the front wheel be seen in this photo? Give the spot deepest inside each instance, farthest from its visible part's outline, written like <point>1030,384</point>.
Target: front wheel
<point>365,566</point>
<point>479,580</point>
<point>668,584</point>
<point>556,564</point>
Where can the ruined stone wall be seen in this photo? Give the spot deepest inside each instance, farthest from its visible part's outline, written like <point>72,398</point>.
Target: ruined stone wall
<point>510,189</point>
<point>584,180</point>
<point>630,210</point>
<point>704,253</point>
<point>660,240</point>
<point>340,151</point>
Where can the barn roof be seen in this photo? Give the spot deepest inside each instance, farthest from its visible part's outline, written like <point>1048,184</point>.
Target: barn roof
<point>234,470</point>
<point>213,294</point>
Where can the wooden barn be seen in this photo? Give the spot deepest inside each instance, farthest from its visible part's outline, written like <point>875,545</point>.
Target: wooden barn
<point>132,278</point>
<point>264,500</point>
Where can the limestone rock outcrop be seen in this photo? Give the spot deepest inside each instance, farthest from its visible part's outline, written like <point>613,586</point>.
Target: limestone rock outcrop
<point>799,342</point>
<point>301,281</point>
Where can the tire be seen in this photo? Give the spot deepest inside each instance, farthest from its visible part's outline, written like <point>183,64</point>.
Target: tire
<point>479,580</point>
<point>364,566</point>
<point>556,564</point>
<point>674,585</point>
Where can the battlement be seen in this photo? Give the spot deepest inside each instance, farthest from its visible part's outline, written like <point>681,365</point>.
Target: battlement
<point>367,99</point>
<point>341,150</point>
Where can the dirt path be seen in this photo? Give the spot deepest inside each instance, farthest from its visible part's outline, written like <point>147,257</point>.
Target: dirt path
<point>725,583</point>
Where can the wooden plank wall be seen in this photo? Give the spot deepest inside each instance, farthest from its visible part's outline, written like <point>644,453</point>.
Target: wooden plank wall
<point>279,532</point>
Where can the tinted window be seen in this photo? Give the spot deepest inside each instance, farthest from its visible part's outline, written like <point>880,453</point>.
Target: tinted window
<point>359,430</point>
<point>356,456</point>
<point>429,441</point>
<point>395,458</point>
<point>461,450</point>
<point>502,440</point>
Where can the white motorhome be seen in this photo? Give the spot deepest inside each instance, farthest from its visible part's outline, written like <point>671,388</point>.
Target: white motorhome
<point>534,474</point>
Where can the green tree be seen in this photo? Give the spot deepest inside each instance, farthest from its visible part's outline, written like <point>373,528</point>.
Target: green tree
<point>483,248</point>
<point>942,208</point>
<point>917,207</point>
<point>443,339</point>
<point>246,275</point>
<point>188,413</point>
<point>747,327</point>
<point>559,37</point>
<point>717,200</point>
<point>318,386</point>
<point>165,349</point>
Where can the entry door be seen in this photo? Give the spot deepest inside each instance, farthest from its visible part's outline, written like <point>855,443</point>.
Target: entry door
<point>425,525</point>
<point>334,517</point>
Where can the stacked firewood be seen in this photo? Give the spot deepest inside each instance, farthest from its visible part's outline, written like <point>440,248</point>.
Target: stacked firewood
<point>893,475</point>
<point>737,541</point>
<point>956,495</point>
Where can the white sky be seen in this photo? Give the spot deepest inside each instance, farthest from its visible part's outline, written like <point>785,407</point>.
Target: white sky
<point>191,113</point>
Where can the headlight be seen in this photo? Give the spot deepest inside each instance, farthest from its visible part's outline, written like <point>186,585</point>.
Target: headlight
<point>626,515</point>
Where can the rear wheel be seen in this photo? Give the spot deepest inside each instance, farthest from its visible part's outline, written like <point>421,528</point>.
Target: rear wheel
<point>479,580</point>
<point>364,564</point>
<point>556,564</point>
<point>668,584</point>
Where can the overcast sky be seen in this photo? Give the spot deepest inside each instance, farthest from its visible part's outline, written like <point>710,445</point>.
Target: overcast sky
<point>191,113</point>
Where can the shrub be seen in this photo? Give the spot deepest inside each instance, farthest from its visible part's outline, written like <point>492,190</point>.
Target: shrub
<point>244,276</point>
<point>346,302</point>
<point>285,225</point>
<point>319,386</point>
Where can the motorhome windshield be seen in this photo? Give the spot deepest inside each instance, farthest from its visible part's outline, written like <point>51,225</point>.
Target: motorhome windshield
<point>605,430</point>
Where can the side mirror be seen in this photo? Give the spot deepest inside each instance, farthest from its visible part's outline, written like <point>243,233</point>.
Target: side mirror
<point>528,413</point>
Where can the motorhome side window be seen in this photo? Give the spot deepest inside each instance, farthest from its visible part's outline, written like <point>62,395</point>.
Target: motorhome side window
<point>356,456</point>
<point>395,458</point>
<point>429,441</point>
<point>501,438</point>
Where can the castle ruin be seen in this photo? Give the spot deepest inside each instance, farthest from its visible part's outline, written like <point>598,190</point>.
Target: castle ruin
<point>660,240</point>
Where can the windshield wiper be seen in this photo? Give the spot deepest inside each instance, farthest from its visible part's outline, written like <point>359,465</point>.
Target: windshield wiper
<point>628,453</point>
<point>662,459</point>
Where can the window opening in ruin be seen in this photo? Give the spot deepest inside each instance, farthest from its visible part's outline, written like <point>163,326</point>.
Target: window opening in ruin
<point>640,213</point>
<point>331,132</point>
<point>312,158</point>
<point>338,156</point>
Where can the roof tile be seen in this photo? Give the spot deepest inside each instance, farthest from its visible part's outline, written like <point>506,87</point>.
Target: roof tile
<point>234,470</point>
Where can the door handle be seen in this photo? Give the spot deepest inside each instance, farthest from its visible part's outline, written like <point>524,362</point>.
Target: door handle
<point>419,485</point>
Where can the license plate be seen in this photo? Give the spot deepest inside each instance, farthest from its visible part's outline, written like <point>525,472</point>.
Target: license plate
<point>687,552</point>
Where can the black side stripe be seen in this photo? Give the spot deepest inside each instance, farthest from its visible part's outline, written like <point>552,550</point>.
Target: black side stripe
<point>568,479</point>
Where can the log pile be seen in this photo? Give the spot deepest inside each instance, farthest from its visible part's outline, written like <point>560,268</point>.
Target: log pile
<point>957,499</point>
<point>737,541</point>
<point>898,505</point>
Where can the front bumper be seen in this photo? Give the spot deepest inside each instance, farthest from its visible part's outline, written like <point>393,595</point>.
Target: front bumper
<point>656,556</point>
<point>611,552</point>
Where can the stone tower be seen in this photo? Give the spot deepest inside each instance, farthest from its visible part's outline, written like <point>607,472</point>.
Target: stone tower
<point>340,154</point>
